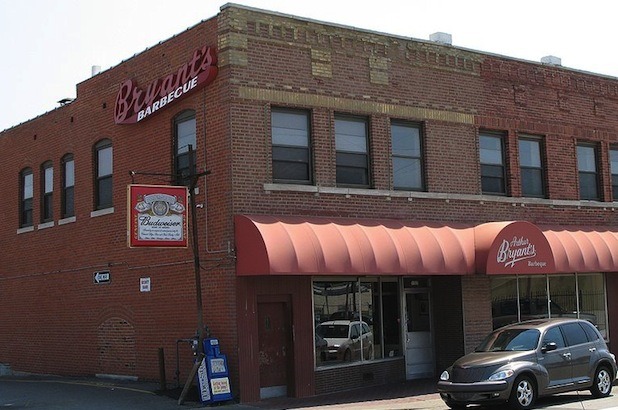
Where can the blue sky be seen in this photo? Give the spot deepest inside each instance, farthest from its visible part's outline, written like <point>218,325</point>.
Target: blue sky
<point>48,46</point>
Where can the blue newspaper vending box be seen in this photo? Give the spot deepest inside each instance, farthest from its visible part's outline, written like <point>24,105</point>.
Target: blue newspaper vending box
<point>213,376</point>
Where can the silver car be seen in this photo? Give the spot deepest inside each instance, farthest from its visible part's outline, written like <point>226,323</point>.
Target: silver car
<point>520,362</point>
<point>347,340</point>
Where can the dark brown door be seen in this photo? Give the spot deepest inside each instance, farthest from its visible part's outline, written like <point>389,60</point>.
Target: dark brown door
<point>274,333</point>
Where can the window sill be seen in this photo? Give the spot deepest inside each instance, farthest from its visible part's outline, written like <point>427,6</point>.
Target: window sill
<point>102,212</point>
<point>67,220</point>
<point>414,195</point>
<point>45,225</point>
<point>25,229</point>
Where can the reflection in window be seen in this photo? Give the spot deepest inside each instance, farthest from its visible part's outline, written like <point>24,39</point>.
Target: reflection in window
<point>47,194</point>
<point>291,148</point>
<point>407,160</point>
<point>491,151</point>
<point>588,172</point>
<point>68,186</point>
<point>352,145</point>
<point>521,298</point>
<point>613,166</point>
<point>348,321</point>
<point>185,145</point>
<point>531,166</point>
<point>26,193</point>
<point>104,175</point>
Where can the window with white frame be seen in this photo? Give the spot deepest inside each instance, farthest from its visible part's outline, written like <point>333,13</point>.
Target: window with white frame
<point>104,167</point>
<point>47,197</point>
<point>407,156</point>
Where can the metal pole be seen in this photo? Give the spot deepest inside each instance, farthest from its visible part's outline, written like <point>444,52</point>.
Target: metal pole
<point>196,267</point>
<point>196,255</point>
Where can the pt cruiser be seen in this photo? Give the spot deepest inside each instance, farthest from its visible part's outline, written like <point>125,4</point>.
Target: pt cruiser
<point>520,362</point>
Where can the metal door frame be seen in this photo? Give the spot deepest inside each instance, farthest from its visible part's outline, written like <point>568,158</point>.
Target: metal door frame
<point>404,327</point>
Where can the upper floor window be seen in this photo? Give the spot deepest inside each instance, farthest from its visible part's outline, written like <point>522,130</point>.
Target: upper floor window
<point>104,172</point>
<point>588,171</point>
<point>531,166</point>
<point>493,172</point>
<point>291,146</point>
<point>351,143</point>
<point>68,186</point>
<point>26,189</point>
<point>407,156</point>
<point>613,158</point>
<point>185,142</point>
<point>47,194</point>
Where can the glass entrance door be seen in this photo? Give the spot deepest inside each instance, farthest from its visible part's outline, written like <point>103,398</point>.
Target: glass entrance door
<point>420,355</point>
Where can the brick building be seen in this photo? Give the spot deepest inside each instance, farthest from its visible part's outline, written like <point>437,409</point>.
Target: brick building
<point>411,192</point>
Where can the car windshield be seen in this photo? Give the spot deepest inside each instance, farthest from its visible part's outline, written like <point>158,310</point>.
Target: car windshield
<point>332,331</point>
<point>509,340</point>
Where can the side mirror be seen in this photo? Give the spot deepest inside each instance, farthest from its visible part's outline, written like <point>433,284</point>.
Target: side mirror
<point>548,347</point>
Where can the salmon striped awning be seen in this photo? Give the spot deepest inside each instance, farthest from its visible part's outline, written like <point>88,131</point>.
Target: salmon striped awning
<point>268,245</point>
<point>297,245</point>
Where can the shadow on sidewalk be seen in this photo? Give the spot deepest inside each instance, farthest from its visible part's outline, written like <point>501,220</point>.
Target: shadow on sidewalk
<point>389,391</point>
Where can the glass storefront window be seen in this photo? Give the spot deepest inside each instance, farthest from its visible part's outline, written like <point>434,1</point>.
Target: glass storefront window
<point>518,298</point>
<point>348,319</point>
<point>591,291</point>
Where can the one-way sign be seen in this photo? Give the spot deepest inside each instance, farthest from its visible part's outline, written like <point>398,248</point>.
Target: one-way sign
<point>101,277</point>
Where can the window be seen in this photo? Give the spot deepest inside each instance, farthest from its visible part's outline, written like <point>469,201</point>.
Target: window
<point>68,186</point>
<point>104,171</point>
<point>493,179</point>
<point>356,321</point>
<point>291,146</point>
<point>574,333</point>
<point>526,297</point>
<point>352,151</point>
<point>47,204</point>
<point>554,335</point>
<point>587,168</point>
<point>613,158</point>
<point>531,166</point>
<point>185,144</point>
<point>26,194</point>
<point>407,160</point>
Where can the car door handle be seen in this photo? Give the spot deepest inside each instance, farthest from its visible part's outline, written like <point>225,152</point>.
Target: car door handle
<point>566,355</point>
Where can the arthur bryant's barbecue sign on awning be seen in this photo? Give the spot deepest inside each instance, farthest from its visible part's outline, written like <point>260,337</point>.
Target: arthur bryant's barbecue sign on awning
<point>134,104</point>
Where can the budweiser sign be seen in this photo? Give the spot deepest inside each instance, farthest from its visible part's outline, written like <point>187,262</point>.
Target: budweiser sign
<point>134,104</point>
<point>157,216</point>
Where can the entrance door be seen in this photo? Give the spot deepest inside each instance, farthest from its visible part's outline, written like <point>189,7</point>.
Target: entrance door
<point>274,333</point>
<point>420,356</point>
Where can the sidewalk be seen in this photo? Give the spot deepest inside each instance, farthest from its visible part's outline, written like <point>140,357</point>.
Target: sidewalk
<point>55,392</point>
<point>414,394</point>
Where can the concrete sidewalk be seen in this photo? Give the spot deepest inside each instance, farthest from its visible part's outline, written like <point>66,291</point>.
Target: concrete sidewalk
<point>414,394</point>
<point>73,393</point>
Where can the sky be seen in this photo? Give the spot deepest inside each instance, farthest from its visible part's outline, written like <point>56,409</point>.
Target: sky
<point>47,47</point>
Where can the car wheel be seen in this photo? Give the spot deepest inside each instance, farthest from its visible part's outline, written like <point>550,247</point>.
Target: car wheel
<point>602,385</point>
<point>523,394</point>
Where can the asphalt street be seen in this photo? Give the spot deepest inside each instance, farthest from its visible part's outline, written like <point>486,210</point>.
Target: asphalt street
<point>55,393</point>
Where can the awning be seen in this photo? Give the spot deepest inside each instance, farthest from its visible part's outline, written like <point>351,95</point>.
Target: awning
<point>288,245</point>
<point>583,249</point>
<point>267,245</point>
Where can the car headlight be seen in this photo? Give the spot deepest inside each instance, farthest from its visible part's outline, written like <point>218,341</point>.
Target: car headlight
<point>445,376</point>
<point>501,375</point>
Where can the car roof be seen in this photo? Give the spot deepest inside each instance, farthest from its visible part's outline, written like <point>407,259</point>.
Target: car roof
<point>542,324</point>
<point>339,322</point>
